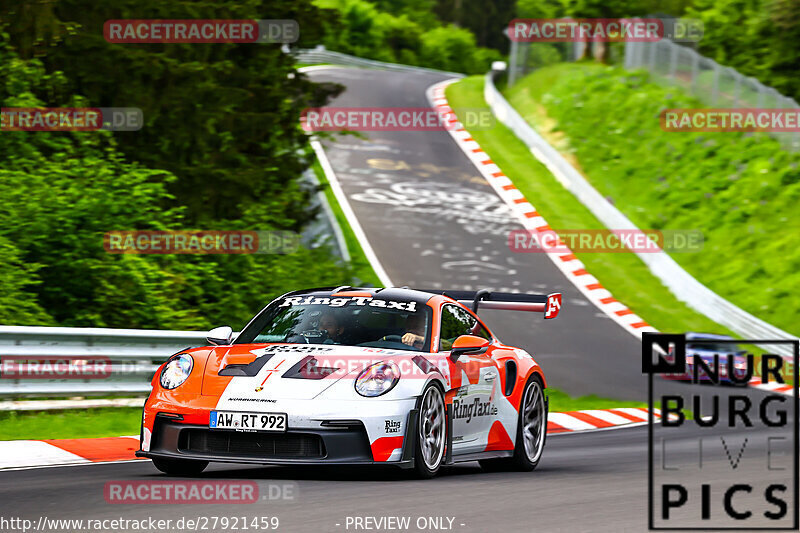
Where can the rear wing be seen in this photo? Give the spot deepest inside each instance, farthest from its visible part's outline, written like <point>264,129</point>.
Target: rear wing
<point>548,304</point>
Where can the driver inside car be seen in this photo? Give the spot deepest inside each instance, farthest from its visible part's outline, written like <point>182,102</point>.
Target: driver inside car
<point>415,334</point>
<point>330,325</point>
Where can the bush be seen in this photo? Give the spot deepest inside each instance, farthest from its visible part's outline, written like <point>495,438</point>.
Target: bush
<point>63,191</point>
<point>363,30</point>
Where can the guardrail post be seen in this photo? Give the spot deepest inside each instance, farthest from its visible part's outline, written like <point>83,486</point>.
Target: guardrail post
<point>512,61</point>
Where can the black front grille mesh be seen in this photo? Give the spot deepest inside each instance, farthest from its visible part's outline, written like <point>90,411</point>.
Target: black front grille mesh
<point>266,445</point>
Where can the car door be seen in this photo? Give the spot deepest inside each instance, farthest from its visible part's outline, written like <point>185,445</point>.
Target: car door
<point>474,408</point>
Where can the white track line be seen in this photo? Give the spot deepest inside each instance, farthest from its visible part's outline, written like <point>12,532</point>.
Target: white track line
<point>350,214</point>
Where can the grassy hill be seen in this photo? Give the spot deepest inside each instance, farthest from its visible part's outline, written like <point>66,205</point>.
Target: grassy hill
<point>741,190</point>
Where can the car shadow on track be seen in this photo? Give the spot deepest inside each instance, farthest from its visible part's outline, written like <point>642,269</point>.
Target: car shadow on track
<point>327,473</point>
<point>369,473</point>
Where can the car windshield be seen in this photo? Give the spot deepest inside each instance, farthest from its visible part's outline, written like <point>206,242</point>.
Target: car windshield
<point>352,321</point>
<point>716,347</point>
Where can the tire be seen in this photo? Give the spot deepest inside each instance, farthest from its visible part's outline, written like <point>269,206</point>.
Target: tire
<point>180,467</point>
<point>531,433</point>
<point>431,433</point>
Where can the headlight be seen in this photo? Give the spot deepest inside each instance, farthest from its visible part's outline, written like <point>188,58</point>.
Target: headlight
<point>377,379</point>
<point>176,371</point>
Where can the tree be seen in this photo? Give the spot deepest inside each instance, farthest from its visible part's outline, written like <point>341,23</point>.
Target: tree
<point>757,37</point>
<point>224,118</point>
<point>63,191</point>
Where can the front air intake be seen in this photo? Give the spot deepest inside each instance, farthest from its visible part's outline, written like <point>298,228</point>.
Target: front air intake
<point>266,445</point>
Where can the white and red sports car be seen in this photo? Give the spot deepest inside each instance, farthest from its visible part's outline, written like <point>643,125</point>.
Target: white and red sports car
<point>354,376</point>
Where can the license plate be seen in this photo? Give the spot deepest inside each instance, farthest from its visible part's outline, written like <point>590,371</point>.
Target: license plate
<point>247,421</point>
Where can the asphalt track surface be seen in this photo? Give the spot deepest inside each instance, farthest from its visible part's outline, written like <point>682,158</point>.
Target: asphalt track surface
<point>403,187</point>
<point>434,222</point>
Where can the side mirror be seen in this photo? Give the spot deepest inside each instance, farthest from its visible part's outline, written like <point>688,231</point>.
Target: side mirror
<point>468,344</point>
<point>221,336</point>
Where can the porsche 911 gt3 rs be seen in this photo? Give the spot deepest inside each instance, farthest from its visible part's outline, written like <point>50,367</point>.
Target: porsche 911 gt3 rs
<point>354,376</point>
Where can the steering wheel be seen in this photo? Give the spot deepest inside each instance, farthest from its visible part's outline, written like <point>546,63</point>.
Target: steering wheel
<point>319,335</point>
<point>392,338</point>
<point>295,338</point>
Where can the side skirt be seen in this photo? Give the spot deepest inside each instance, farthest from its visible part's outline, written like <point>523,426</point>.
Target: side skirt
<point>467,457</point>
<point>448,457</point>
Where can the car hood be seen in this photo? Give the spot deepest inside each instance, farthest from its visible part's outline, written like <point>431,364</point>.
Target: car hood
<point>267,372</point>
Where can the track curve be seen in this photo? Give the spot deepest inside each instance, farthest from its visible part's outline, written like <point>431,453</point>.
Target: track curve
<point>434,222</point>
<point>593,481</point>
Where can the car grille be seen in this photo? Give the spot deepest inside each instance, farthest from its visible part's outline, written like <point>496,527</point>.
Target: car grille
<point>277,445</point>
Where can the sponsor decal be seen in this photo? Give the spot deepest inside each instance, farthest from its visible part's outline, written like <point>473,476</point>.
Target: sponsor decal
<point>354,300</point>
<point>270,371</point>
<point>721,458</point>
<point>264,400</point>
<point>475,408</point>
<point>553,306</point>
<point>295,349</point>
<point>392,426</point>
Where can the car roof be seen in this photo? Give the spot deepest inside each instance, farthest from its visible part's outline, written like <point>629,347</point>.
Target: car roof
<point>389,293</point>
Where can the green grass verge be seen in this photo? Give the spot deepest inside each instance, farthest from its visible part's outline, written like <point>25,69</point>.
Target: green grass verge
<point>118,421</point>
<point>740,190</point>
<point>561,402</point>
<point>70,423</point>
<point>362,269</point>
<point>625,275</point>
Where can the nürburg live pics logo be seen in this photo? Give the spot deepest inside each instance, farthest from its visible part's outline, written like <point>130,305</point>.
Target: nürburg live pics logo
<point>724,453</point>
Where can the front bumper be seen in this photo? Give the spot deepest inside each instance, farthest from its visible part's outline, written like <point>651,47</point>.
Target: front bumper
<point>345,444</point>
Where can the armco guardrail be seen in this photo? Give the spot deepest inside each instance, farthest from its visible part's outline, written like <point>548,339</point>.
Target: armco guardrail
<point>685,287</point>
<point>321,55</point>
<point>134,354</point>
